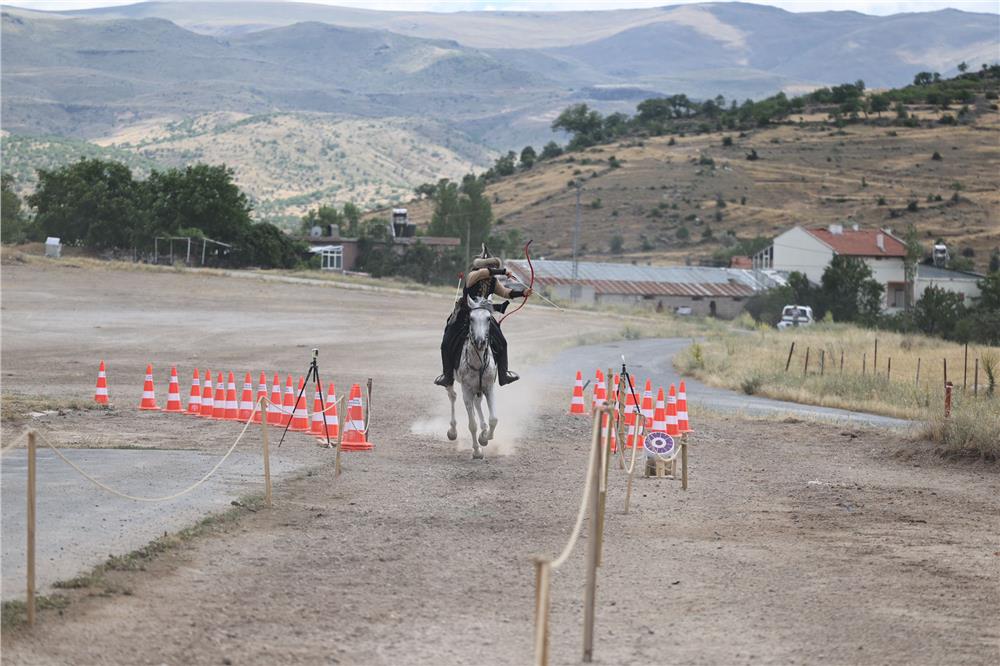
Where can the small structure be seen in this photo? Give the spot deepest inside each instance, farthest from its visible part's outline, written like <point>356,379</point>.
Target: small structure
<point>959,282</point>
<point>53,248</point>
<point>331,256</point>
<point>701,290</point>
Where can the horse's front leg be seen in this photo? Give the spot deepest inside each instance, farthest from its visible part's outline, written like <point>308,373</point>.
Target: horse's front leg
<point>491,404</point>
<point>484,438</point>
<point>452,431</point>
<point>467,396</point>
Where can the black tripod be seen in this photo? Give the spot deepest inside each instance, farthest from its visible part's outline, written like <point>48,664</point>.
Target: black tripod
<point>311,373</point>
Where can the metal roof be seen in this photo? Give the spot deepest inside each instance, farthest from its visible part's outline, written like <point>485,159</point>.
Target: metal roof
<point>928,271</point>
<point>610,278</point>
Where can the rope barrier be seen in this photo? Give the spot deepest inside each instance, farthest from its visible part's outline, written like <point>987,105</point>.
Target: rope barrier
<point>568,549</point>
<point>190,488</point>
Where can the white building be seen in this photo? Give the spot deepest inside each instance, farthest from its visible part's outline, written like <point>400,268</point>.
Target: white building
<point>809,251</point>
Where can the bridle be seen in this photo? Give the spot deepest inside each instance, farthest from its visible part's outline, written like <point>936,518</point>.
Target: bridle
<point>483,357</point>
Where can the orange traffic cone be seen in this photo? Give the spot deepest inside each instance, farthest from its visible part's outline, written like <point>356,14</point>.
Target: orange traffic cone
<point>682,411</point>
<point>659,413</point>
<point>219,402</point>
<point>316,420</point>
<point>332,420</point>
<point>354,426</point>
<point>274,404</point>
<point>672,413</point>
<point>600,390</point>
<point>258,414</point>
<point>288,406</point>
<point>174,393</point>
<point>232,405</point>
<point>246,399</point>
<point>148,392</point>
<point>647,403</point>
<point>576,406</point>
<point>207,402</point>
<point>194,399</point>
<point>300,417</point>
<point>101,393</point>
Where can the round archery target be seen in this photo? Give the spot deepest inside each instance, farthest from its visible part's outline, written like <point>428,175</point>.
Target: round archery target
<point>659,443</point>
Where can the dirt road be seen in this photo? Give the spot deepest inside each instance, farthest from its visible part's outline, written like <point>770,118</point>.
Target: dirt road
<point>796,543</point>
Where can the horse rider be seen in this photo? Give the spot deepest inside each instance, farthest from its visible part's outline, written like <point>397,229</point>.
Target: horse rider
<point>480,282</point>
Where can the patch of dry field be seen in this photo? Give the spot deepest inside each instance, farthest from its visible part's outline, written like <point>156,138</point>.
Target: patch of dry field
<point>780,551</point>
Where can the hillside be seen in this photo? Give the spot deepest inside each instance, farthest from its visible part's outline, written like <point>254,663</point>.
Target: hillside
<point>663,199</point>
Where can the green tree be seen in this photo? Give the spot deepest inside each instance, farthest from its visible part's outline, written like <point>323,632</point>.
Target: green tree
<point>878,104</point>
<point>91,202</point>
<point>266,246</point>
<point>582,123</point>
<point>914,253</point>
<point>15,226</point>
<point>937,311</point>
<point>550,150</point>
<point>202,197</point>
<point>321,217</point>
<point>463,211</point>
<point>528,157</point>
<point>352,215</point>
<point>849,292</point>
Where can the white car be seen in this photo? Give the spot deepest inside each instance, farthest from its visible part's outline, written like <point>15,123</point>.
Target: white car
<point>796,315</point>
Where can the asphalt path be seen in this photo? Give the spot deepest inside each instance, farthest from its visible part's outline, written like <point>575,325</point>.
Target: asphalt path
<point>79,524</point>
<point>653,358</point>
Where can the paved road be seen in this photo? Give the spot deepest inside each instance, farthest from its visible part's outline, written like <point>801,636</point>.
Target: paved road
<point>72,540</point>
<point>653,358</point>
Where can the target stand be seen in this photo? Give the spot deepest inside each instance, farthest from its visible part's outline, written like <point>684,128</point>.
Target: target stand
<point>661,455</point>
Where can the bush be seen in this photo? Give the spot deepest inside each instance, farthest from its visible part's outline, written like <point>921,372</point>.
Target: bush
<point>972,429</point>
<point>751,384</point>
<point>617,244</point>
<point>936,156</point>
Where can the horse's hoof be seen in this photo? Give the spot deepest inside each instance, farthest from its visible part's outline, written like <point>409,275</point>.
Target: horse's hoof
<point>483,438</point>
<point>453,435</point>
<point>477,455</point>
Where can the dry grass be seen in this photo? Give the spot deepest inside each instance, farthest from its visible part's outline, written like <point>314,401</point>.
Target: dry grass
<point>18,406</point>
<point>754,362</point>
<point>972,429</point>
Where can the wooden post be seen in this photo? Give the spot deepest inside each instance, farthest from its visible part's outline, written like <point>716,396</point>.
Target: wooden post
<point>805,368</point>
<point>947,399</point>
<point>875,359</point>
<point>975,383</point>
<point>822,362</point>
<point>917,381</point>
<point>684,462</point>
<point>267,452</point>
<point>30,597</point>
<point>593,552</point>
<point>340,441</point>
<point>945,370</point>
<point>789,361</point>
<point>543,571</point>
<point>864,363</point>
<point>606,467</point>
<point>965,369</point>
<point>888,370</point>
<point>841,361</point>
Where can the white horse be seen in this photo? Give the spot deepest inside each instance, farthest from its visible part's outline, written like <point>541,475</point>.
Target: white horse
<point>477,372</point>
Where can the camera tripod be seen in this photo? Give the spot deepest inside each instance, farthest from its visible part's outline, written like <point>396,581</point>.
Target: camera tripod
<point>311,374</point>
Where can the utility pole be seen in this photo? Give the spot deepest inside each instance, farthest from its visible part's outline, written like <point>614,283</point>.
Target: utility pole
<point>574,293</point>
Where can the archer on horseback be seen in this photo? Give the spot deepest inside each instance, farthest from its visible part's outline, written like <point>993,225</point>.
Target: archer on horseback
<point>480,282</point>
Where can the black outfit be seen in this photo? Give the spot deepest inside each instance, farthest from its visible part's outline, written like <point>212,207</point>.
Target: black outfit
<point>456,331</point>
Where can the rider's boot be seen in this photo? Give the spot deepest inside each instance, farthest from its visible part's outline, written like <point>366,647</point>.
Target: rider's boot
<point>445,379</point>
<point>504,375</point>
<point>447,376</point>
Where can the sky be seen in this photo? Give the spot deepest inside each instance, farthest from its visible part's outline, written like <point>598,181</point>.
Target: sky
<point>878,7</point>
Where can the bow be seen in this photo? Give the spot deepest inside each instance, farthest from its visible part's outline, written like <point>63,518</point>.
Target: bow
<point>531,283</point>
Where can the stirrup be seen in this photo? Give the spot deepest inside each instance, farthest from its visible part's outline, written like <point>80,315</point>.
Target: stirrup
<point>444,380</point>
<point>509,378</point>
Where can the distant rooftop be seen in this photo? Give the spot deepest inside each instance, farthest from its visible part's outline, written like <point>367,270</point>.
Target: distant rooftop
<point>929,271</point>
<point>860,242</point>
<point>612,278</point>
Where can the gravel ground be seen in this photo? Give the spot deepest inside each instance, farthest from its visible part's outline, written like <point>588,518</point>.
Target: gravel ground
<point>796,543</point>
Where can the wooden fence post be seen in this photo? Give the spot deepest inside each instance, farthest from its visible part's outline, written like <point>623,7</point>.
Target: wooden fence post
<point>841,361</point>
<point>805,368</point>
<point>30,596</point>
<point>975,385</point>
<point>267,452</point>
<point>875,359</point>
<point>947,399</point>
<point>822,362</point>
<point>917,381</point>
<point>945,370</point>
<point>888,370</point>
<point>543,572</point>
<point>965,369</point>
<point>789,361</point>
<point>684,461</point>
<point>864,363</point>
<point>593,548</point>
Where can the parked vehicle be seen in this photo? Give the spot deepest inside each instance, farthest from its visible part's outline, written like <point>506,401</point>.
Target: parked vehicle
<point>796,315</point>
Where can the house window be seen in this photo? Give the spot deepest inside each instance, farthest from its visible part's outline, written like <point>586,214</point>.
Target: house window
<point>333,258</point>
<point>895,295</point>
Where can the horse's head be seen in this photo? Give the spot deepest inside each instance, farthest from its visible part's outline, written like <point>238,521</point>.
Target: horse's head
<point>480,313</point>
